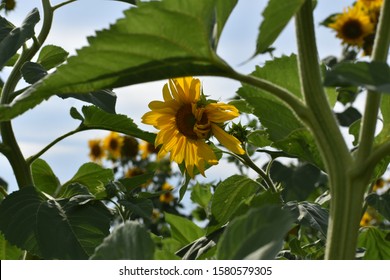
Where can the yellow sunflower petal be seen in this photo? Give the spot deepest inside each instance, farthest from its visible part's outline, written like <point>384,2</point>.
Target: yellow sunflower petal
<point>166,93</point>
<point>229,141</point>
<point>221,112</point>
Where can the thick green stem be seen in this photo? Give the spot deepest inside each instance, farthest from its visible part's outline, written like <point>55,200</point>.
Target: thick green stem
<point>13,153</point>
<point>346,195</point>
<point>373,100</point>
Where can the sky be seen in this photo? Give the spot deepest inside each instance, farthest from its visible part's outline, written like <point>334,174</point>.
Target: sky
<point>74,22</point>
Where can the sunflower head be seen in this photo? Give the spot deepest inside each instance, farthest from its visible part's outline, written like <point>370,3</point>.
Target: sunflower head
<point>186,120</point>
<point>353,25</point>
<point>371,4</point>
<point>129,147</point>
<point>113,145</point>
<point>166,197</point>
<point>9,5</point>
<point>96,151</point>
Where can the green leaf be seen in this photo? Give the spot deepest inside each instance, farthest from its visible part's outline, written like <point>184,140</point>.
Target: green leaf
<point>157,40</point>
<point>33,72</point>
<point>165,248</point>
<point>201,194</point>
<point>259,138</point>
<point>15,39</point>
<point>258,234</point>
<point>140,207</point>
<point>8,251</point>
<point>354,130</point>
<point>298,182</point>
<point>95,118</point>
<point>104,99</point>
<point>229,195</point>
<point>5,28</point>
<point>51,56</point>
<point>182,229</point>
<point>128,241</point>
<point>373,75</point>
<point>376,242</point>
<point>136,181</point>
<point>242,106</point>
<point>44,178</point>
<point>310,215</point>
<point>348,117</point>
<point>276,16</point>
<point>384,135</point>
<point>53,229</point>
<point>380,203</point>
<point>94,177</point>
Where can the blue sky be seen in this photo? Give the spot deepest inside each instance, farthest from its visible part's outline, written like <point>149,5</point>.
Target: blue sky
<point>73,23</point>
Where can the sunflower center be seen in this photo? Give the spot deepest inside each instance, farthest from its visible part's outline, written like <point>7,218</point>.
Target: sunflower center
<point>185,121</point>
<point>96,151</point>
<point>352,29</point>
<point>114,145</point>
<point>193,127</point>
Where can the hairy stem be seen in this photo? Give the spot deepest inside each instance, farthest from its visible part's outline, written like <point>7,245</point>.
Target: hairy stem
<point>373,100</point>
<point>346,195</point>
<point>13,153</point>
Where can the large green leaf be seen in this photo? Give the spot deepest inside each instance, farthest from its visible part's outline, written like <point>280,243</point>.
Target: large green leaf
<point>128,241</point>
<point>156,40</point>
<point>15,39</point>
<point>44,178</point>
<point>376,242</point>
<point>258,234</point>
<point>94,177</point>
<point>53,229</point>
<point>373,75</point>
<point>276,16</point>
<point>229,195</point>
<point>95,118</point>
<point>182,229</point>
<point>285,130</point>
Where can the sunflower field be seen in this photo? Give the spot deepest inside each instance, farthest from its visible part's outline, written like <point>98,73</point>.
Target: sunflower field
<point>310,181</point>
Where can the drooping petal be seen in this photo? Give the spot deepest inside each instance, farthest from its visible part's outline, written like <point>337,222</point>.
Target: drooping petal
<point>227,140</point>
<point>221,112</point>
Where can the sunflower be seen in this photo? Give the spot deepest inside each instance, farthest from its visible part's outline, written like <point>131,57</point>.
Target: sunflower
<point>185,120</point>
<point>353,25</point>
<point>130,147</point>
<point>96,152</point>
<point>166,197</point>
<point>371,3</point>
<point>113,145</point>
<point>9,4</point>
